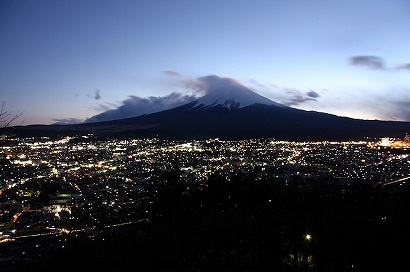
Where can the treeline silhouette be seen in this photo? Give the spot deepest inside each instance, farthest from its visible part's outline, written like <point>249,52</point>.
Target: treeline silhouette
<point>251,222</point>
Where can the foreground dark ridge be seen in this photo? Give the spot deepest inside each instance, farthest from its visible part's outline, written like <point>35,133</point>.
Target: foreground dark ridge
<point>192,121</point>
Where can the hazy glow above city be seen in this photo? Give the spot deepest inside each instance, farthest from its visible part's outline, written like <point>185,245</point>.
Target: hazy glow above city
<point>65,61</point>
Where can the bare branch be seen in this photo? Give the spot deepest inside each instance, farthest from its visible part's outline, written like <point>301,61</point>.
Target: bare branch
<point>8,117</point>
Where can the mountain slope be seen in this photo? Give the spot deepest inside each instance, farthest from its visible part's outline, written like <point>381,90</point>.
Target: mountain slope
<point>254,121</point>
<point>229,110</point>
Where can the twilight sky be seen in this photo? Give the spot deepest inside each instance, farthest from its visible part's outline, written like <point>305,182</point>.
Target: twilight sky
<point>65,61</point>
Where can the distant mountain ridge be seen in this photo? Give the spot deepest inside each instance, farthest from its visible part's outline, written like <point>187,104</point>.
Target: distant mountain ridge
<point>229,111</point>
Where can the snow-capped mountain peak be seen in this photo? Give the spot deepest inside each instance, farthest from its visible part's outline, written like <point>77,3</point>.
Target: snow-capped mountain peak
<point>230,93</point>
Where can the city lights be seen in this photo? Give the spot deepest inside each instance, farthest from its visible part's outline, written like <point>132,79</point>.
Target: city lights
<point>64,187</point>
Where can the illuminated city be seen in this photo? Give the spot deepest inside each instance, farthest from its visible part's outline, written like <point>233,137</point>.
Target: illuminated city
<point>204,136</point>
<point>81,185</point>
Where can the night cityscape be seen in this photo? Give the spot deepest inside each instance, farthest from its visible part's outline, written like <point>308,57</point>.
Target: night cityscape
<point>204,136</point>
<point>203,205</point>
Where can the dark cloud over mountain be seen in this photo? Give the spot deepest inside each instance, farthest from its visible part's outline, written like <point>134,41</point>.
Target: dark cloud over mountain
<point>376,63</point>
<point>313,94</point>
<point>372,62</point>
<point>405,66</point>
<point>171,73</point>
<point>298,97</point>
<point>96,95</point>
<point>135,106</point>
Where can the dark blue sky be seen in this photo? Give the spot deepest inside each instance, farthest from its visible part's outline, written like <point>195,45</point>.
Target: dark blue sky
<point>74,59</point>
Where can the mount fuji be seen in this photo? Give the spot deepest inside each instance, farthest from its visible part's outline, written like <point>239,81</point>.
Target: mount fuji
<point>231,94</point>
<point>228,110</point>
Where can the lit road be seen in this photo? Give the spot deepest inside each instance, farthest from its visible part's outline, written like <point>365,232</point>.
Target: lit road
<point>65,231</point>
<point>396,181</point>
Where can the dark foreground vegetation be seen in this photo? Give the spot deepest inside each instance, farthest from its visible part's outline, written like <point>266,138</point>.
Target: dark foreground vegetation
<point>249,223</point>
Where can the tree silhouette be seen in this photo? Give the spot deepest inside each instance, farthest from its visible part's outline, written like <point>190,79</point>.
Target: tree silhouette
<point>7,118</point>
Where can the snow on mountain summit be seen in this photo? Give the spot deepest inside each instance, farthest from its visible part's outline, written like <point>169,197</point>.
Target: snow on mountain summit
<point>230,93</point>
